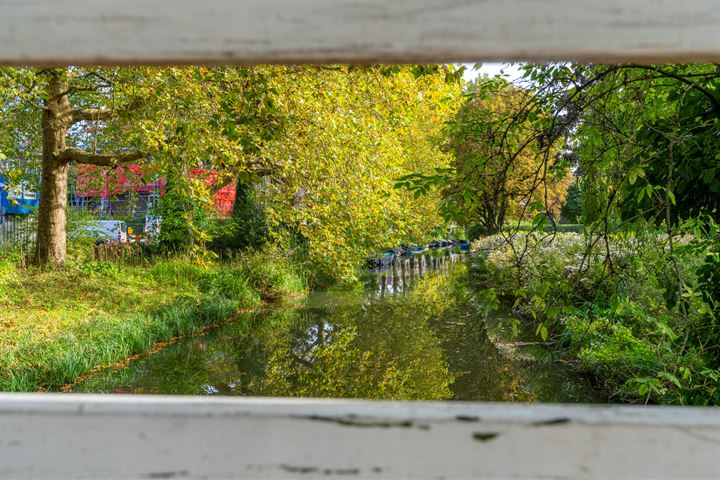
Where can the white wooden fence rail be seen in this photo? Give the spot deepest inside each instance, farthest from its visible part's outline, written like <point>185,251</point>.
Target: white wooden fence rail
<point>96,436</point>
<point>326,31</point>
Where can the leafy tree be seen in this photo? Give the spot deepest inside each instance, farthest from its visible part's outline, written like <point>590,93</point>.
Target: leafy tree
<point>572,210</point>
<point>644,136</point>
<point>507,165</point>
<point>181,117</point>
<point>247,227</point>
<point>179,213</point>
<point>353,131</point>
<point>644,139</point>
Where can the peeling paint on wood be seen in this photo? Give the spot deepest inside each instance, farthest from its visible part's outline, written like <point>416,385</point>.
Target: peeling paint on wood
<point>484,436</point>
<point>354,421</point>
<point>43,32</point>
<point>552,421</point>
<point>101,436</point>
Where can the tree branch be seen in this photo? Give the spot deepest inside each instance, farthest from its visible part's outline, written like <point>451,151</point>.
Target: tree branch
<point>95,114</point>
<point>99,159</point>
<point>90,114</point>
<point>682,78</point>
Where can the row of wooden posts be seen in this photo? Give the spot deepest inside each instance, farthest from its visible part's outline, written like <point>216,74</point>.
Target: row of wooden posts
<point>405,270</point>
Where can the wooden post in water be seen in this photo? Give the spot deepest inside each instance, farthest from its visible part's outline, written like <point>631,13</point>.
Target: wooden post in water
<point>395,279</point>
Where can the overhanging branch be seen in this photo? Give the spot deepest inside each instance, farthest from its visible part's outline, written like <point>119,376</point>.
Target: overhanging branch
<point>96,114</point>
<point>683,79</point>
<point>90,114</point>
<point>100,159</point>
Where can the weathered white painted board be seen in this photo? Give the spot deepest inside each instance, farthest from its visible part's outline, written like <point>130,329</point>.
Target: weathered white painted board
<point>93,436</point>
<point>325,31</point>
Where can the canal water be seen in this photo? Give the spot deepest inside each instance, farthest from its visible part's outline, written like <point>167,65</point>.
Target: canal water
<point>415,331</point>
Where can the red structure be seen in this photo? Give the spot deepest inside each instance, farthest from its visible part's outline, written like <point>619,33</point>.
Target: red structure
<point>136,188</point>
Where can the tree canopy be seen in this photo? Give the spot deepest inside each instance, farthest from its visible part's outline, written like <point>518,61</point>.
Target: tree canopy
<point>177,117</point>
<point>352,132</point>
<point>644,136</point>
<point>506,164</point>
<point>321,145</point>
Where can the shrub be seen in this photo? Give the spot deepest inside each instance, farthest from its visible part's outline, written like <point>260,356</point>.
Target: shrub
<point>617,303</point>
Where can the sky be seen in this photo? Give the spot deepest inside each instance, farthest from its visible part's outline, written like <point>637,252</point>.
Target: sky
<point>492,69</point>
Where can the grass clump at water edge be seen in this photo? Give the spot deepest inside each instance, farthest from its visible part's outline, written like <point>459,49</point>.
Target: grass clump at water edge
<point>57,325</point>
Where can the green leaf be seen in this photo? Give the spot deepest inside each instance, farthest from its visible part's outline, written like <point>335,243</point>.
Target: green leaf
<point>670,377</point>
<point>632,178</point>
<point>542,331</point>
<point>671,197</point>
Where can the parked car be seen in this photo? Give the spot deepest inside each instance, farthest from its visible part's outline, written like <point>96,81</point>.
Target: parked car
<point>464,245</point>
<point>114,231</point>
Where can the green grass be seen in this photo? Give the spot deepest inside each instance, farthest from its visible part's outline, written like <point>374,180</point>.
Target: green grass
<point>274,277</point>
<point>57,325</point>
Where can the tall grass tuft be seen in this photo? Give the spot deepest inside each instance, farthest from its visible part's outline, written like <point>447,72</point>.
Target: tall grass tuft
<point>100,313</point>
<point>274,276</point>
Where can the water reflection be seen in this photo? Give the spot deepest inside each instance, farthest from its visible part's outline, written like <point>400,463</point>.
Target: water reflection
<point>394,279</point>
<point>414,332</point>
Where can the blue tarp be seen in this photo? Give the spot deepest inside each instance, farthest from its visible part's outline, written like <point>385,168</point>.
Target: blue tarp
<point>17,201</point>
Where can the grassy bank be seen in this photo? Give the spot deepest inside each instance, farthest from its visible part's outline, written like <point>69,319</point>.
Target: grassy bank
<point>57,325</point>
<point>630,310</point>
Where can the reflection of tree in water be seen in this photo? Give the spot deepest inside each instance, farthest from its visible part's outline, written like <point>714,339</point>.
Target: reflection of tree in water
<point>482,371</point>
<point>226,361</point>
<point>485,373</point>
<point>405,272</point>
<point>200,367</point>
<point>364,349</point>
<point>316,335</point>
<point>426,342</point>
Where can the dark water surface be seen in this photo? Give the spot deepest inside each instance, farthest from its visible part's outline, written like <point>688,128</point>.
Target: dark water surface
<point>415,331</point>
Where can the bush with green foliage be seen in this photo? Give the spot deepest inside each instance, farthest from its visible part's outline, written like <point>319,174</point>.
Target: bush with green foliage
<point>614,304</point>
<point>573,208</point>
<point>245,229</point>
<point>183,214</point>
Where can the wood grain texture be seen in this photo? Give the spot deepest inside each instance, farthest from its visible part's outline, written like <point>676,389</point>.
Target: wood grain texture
<point>95,436</point>
<point>44,32</point>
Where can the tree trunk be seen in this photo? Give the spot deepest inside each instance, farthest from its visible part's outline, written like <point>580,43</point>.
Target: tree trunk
<point>52,213</point>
